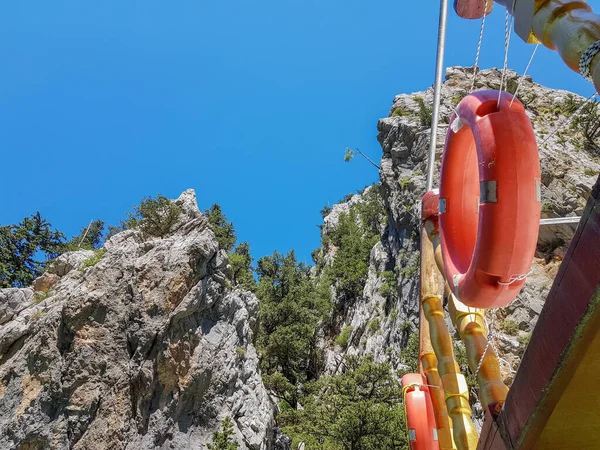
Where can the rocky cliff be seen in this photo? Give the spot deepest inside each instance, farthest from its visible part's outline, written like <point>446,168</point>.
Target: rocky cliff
<point>570,165</point>
<point>145,344</point>
<point>140,345</point>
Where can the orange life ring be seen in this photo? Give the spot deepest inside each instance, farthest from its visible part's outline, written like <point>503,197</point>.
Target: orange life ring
<point>472,9</point>
<point>489,199</point>
<point>420,419</point>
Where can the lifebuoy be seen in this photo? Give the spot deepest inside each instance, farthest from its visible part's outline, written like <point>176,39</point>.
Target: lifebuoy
<point>472,9</point>
<point>489,199</point>
<point>420,419</point>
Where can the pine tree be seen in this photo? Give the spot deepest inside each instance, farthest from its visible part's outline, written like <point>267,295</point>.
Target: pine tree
<point>89,238</point>
<point>154,216</point>
<point>241,267</point>
<point>224,230</point>
<point>360,409</point>
<point>20,248</point>
<point>291,309</point>
<point>222,440</point>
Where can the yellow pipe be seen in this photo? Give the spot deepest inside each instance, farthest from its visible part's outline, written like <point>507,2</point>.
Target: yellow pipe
<point>470,323</point>
<point>455,386</point>
<point>569,27</point>
<point>428,365</point>
<point>472,329</point>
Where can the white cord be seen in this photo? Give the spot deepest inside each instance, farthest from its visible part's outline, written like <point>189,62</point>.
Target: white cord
<point>515,278</point>
<point>524,73</point>
<point>507,33</point>
<point>476,65</point>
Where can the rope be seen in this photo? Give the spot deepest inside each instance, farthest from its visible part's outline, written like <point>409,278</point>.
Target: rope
<point>568,119</point>
<point>476,65</point>
<point>524,73</point>
<point>507,363</point>
<point>507,33</point>
<point>85,234</point>
<point>586,60</point>
<point>487,346</point>
<point>515,278</point>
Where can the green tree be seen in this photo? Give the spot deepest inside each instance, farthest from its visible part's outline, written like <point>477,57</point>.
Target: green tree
<point>20,248</point>
<point>351,263</point>
<point>241,267</point>
<point>360,409</point>
<point>154,216</point>
<point>224,230</point>
<point>222,440</point>
<point>114,229</point>
<point>88,238</point>
<point>355,234</point>
<point>349,154</point>
<point>291,309</point>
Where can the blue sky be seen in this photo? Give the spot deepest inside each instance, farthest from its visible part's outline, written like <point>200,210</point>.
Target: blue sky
<point>250,103</point>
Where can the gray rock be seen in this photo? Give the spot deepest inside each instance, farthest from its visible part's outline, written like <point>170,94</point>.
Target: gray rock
<point>13,301</point>
<point>69,261</point>
<point>149,344</point>
<point>566,185</point>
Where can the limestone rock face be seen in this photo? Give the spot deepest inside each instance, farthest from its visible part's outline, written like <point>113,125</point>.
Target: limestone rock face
<point>568,173</point>
<point>149,348</point>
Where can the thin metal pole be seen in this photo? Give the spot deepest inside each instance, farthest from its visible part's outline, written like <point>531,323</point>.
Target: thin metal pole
<point>439,68</point>
<point>559,220</point>
<point>85,234</point>
<point>367,158</point>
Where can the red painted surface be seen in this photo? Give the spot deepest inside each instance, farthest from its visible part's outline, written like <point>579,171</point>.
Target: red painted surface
<point>471,9</point>
<point>489,237</point>
<point>575,284</point>
<point>490,438</point>
<point>420,418</point>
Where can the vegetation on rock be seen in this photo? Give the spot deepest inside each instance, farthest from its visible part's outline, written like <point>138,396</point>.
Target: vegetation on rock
<point>359,409</point>
<point>154,216</point>
<point>89,238</point>
<point>222,440</point>
<point>291,309</point>
<point>223,229</point>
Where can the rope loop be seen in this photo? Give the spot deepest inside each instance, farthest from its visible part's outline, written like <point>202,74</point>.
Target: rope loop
<point>516,278</point>
<point>487,345</point>
<point>586,60</point>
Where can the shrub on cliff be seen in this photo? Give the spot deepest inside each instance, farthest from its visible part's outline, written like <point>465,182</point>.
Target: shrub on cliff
<point>222,440</point>
<point>355,234</point>
<point>223,229</point>
<point>154,216</point>
<point>241,267</point>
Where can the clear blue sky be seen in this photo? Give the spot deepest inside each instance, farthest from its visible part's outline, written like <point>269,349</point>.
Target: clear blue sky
<point>250,103</point>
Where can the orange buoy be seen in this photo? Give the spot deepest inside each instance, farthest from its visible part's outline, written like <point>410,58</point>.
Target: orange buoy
<point>489,199</point>
<point>420,419</point>
<point>472,9</point>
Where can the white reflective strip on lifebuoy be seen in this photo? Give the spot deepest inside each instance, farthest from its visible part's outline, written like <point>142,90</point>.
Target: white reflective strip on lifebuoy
<point>412,434</point>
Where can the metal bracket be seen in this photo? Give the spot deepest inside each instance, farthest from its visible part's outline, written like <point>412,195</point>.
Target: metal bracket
<point>522,11</point>
<point>488,192</point>
<point>442,205</point>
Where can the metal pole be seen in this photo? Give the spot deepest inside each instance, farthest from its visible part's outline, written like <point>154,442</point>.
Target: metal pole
<point>559,220</point>
<point>439,69</point>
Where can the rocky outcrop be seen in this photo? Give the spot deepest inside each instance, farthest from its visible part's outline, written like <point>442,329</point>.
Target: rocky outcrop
<point>568,173</point>
<point>148,348</point>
